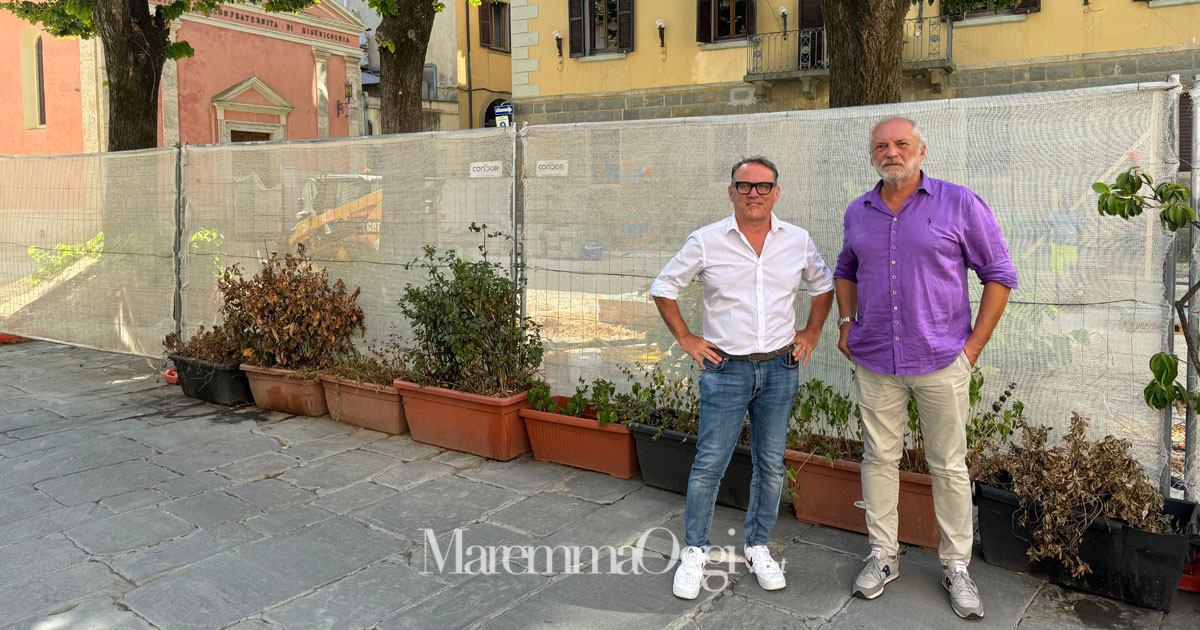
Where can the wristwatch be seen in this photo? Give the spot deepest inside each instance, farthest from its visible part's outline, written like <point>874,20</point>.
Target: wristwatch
<point>848,318</point>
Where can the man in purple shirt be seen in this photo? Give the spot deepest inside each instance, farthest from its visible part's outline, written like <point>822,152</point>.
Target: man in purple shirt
<point>905,321</point>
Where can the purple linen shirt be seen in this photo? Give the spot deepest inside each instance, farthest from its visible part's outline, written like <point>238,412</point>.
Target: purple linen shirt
<point>914,313</point>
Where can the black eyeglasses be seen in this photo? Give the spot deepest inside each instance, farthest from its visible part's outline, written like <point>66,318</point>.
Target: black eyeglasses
<point>763,188</point>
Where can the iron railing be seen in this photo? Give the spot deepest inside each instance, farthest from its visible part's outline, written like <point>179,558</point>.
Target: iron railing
<point>927,43</point>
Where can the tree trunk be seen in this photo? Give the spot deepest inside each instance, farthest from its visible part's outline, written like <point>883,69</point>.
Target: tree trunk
<point>135,43</point>
<point>400,72</point>
<point>865,47</point>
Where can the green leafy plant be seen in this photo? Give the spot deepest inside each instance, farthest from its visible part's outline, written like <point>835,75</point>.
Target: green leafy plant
<point>49,262</point>
<point>1064,488</point>
<point>206,242</point>
<point>821,423</point>
<point>214,345</point>
<point>467,325</point>
<point>288,315</point>
<point>1129,196</point>
<point>958,7</point>
<point>599,403</point>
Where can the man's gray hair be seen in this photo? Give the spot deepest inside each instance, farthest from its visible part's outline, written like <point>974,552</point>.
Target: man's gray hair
<point>754,159</point>
<point>916,131</point>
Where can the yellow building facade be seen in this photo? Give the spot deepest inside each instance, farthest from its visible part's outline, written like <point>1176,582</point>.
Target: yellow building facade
<point>484,60</point>
<point>591,60</point>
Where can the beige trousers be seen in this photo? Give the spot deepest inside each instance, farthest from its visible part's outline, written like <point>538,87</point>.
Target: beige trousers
<point>942,397</point>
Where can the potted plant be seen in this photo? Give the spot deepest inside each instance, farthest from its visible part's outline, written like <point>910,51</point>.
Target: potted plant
<point>207,364</point>
<point>360,390</point>
<point>581,431</point>
<point>824,459</point>
<point>663,413</point>
<point>291,322</point>
<point>1083,513</point>
<point>473,357</point>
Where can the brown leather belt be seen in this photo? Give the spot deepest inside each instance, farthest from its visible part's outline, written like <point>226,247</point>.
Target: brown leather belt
<point>757,356</point>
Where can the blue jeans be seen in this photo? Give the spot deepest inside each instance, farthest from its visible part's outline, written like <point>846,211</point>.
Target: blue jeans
<point>728,390</point>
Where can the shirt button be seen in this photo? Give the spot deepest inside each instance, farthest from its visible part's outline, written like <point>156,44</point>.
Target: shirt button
<point>893,247</point>
<point>893,292</point>
<point>894,219</point>
<point>893,232</point>
<point>897,339</point>
<point>893,277</point>
<point>893,262</point>
<point>895,308</point>
<point>896,323</point>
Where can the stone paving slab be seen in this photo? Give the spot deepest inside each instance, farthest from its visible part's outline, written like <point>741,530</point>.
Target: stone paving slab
<point>185,515</point>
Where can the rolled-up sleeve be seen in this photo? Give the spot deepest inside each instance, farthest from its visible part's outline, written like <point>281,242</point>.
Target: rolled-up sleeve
<point>983,244</point>
<point>817,277</point>
<point>847,260</point>
<point>680,271</point>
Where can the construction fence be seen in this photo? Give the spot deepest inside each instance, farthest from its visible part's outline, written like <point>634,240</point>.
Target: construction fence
<point>114,251</point>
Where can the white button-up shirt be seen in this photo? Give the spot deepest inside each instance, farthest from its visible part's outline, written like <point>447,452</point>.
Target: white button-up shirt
<point>748,299</point>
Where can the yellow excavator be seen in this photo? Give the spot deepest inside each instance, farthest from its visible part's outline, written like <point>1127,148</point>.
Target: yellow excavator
<point>340,216</point>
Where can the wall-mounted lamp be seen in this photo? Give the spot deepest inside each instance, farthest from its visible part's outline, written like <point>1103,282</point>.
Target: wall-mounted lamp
<point>343,107</point>
<point>558,42</point>
<point>783,16</point>
<point>662,33</point>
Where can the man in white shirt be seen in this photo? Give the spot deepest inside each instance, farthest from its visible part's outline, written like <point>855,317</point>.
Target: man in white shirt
<point>750,266</point>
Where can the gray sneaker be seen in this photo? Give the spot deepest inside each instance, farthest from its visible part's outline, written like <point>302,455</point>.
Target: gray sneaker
<point>964,595</point>
<point>879,571</point>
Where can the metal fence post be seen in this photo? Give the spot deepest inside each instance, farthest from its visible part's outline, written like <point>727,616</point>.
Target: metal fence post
<point>1189,439</point>
<point>1170,276</point>
<point>177,308</point>
<point>518,215</point>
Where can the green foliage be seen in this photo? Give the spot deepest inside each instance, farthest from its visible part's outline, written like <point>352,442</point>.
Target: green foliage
<point>957,7</point>
<point>599,404</point>
<point>1123,199</point>
<point>1164,389</point>
<point>48,262</point>
<point>467,324</point>
<point>288,315</point>
<point>660,400</point>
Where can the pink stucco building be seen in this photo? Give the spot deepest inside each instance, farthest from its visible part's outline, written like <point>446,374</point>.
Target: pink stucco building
<point>255,76</point>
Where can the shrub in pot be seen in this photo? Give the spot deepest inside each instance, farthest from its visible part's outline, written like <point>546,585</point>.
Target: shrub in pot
<point>662,411</point>
<point>581,431</point>
<point>291,322</point>
<point>360,390</point>
<point>208,366</point>
<point>1083,513</point>
<point>473,357</point>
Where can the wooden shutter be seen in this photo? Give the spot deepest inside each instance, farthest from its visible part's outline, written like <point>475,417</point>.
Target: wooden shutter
<point>751,17</point>
<point>575,28</point>
<point>704,22</point>
<point>810,14</point>
<point>1028,6</point>
<point>485,25</point>
<point>625,25</point>
<point>1185,133</point>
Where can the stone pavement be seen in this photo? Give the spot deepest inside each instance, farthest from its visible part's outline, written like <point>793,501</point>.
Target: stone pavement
<point>125,505</point>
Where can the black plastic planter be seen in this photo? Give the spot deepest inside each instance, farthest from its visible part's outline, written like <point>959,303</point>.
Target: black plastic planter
<point>666,463</point>
<point>1129,564</point>
<point>220,383</point>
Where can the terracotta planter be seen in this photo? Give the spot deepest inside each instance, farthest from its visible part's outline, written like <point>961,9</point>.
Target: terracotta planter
<point>581,442</point>
<point>7,338</point>
<point>825,494</point>
<point>280,390</point>
<point>481,425</point>
<point>367,405</point>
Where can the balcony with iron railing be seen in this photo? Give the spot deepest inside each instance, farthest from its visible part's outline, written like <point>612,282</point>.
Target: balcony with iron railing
<point>805,52</point>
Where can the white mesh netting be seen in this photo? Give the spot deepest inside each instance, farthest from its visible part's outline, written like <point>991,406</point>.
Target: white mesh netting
<point>601,208</point>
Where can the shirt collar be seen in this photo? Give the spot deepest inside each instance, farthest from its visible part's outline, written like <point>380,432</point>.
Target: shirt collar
<point>731,224</point>
<point>928,185</point>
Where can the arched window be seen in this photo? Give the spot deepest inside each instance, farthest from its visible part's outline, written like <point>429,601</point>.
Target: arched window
<point>40,78</point>
<point>33,78</point>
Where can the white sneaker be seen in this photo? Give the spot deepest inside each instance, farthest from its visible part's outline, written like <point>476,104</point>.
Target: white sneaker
<point>690,574</point>
<point>763,566</point>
